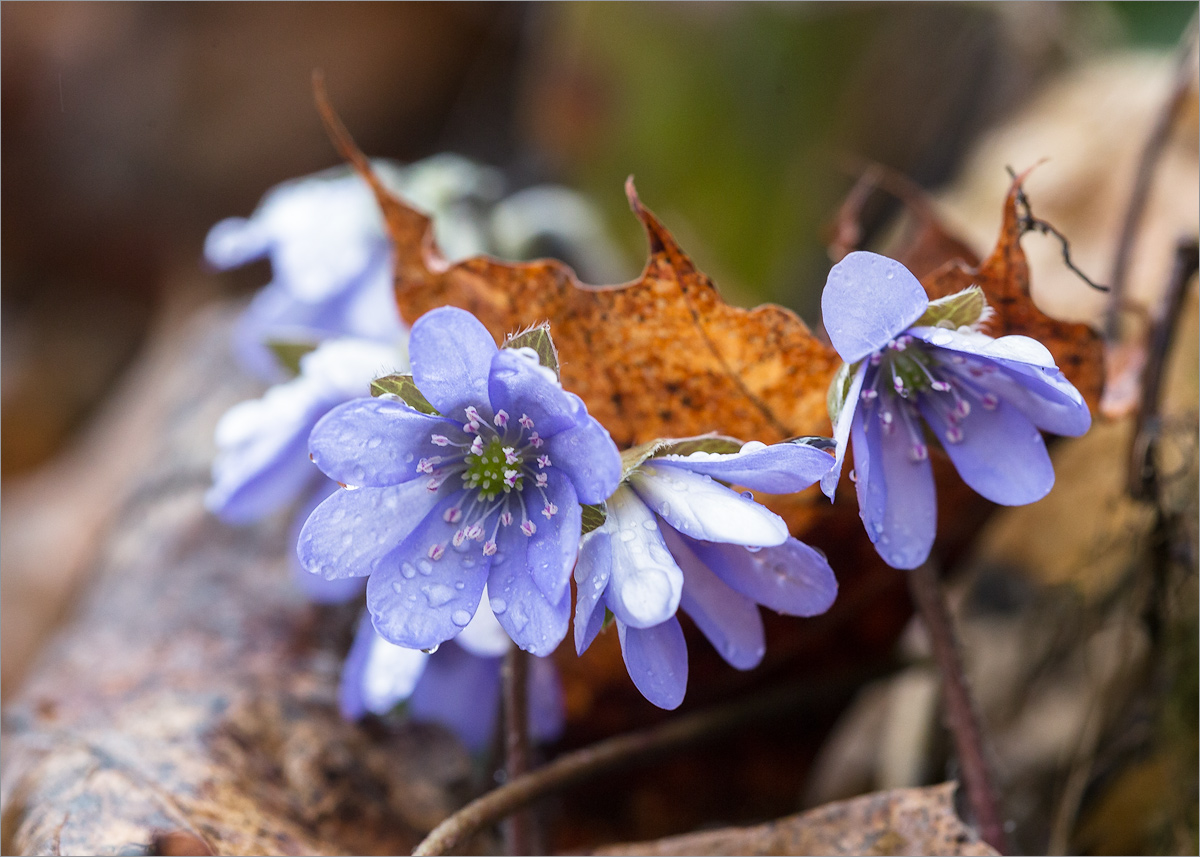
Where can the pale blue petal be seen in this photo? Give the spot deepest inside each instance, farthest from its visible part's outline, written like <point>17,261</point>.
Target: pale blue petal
<point>553,548</point>
<point>657,661</point>
<point>547,708</point>
<point>351,532</point>
<point>841,431</point>
<point>592,572</point>
<point>1001,455</point>
<point>451,354</point>
<point>728,619</point>
<point>868,301</point>
<point>781,468</point>
<point>519,385</point>
<point>589,457</point>
<point>419,602</point>
<point>534,622</point>
<point>702,508</point>
<point>791,578</point>
<point>235,241</point>
<point>375,442</point>
<point>896,496</point>
<point>461,692</point>
<point>315,587</point>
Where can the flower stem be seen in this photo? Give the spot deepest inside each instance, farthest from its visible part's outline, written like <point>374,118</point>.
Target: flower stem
<point>961,717</point>
<point>519,832</point>
<point>632,749</point>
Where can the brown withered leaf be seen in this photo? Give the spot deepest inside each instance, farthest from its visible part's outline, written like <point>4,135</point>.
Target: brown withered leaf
<point>901,821</point>
<point>1004,277</point>
<point>662,356</point>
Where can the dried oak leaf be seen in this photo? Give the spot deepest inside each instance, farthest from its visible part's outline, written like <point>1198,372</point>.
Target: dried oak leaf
<point>662,356</point>
<point>1004,277</point>
<point>901,821</point>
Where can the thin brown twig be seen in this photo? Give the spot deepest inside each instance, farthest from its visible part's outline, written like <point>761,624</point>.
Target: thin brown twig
<point>961,717</point>
<point>1142,479</point>
<point>1029,223</point>
<point>519,832</point>
<point>1156,144</point>
<point>634,748</point>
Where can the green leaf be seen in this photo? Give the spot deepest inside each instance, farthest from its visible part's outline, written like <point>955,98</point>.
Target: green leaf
<point>593,516</point>
<point>609,618</point>
<point>537,338</point>
<point>289,352</point>
<point>405,389</point>
<point>962,309</point>
<point>839,388</point>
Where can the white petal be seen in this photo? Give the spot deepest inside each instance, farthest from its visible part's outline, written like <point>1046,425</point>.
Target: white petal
<point>702,508</point>
<point>646,584</point>
<point>1014,347</point>
<point>390,675</point>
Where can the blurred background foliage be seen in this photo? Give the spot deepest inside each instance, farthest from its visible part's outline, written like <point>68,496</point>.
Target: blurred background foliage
<point>131,128</point>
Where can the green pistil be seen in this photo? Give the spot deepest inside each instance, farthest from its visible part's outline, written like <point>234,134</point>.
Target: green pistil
<point>485,472</point>
<point>911,367</point>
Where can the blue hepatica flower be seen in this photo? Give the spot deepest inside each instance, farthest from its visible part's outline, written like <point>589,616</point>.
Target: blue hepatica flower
<point>457,686</point>
<point>675,537</point>
<point>331,259</point>
<point>262,462</point>
<point>912,364</point>
<point>487,490</point>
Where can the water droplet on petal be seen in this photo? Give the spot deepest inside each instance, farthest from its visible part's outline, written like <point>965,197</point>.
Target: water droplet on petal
<point>628,535</point>
<point>437,594</point>
<point>498,605</point>
<point>373,443</point>
<point>425,566</point>
<point>460,617</point>
<point>408,571</point>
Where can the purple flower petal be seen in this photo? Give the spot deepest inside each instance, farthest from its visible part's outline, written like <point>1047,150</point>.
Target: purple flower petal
<point>351,532</point>
<point>553,548</point>
<point>896,496</point>
<point>547,709</point>
<point>535,623</point>
<point>244,492</point>
<point>315,587</point>
<point>418,601</point>
<point>645,582</point>
<point>589,457</point>
<point>373,442</point>
<point>235,241</point>
<point>699,507</point>
<point>1001,454</point>
<point>451,354</point>
<point>656,659</point>
<point>592,572</point>
<point>377,675</point>
<point>729,620</point>
<point>519,385</point>
<point>781,468</point>
<point>791,578</point>
<point>1034,386</point>
<point>841,432</point>
<point>462,693</point>
<point>868,300</point>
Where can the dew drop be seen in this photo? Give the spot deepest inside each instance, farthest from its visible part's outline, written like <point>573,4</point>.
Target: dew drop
<point>408,571</point>
<point>408,458</point>
<point>628,535</point>
<point>431,649</point>
<point>649,524</point>
<point>437,594</point>
<point>458,584</point>
<point>425,566</point>
<point>498,605</point>
<point>347,539</point>
<point>460,617</point>
<point>498,559</point>
<point>374,442</point>
<point>396,587</point>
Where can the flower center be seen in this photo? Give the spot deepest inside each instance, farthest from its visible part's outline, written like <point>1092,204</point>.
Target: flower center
<point>495,469</point>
